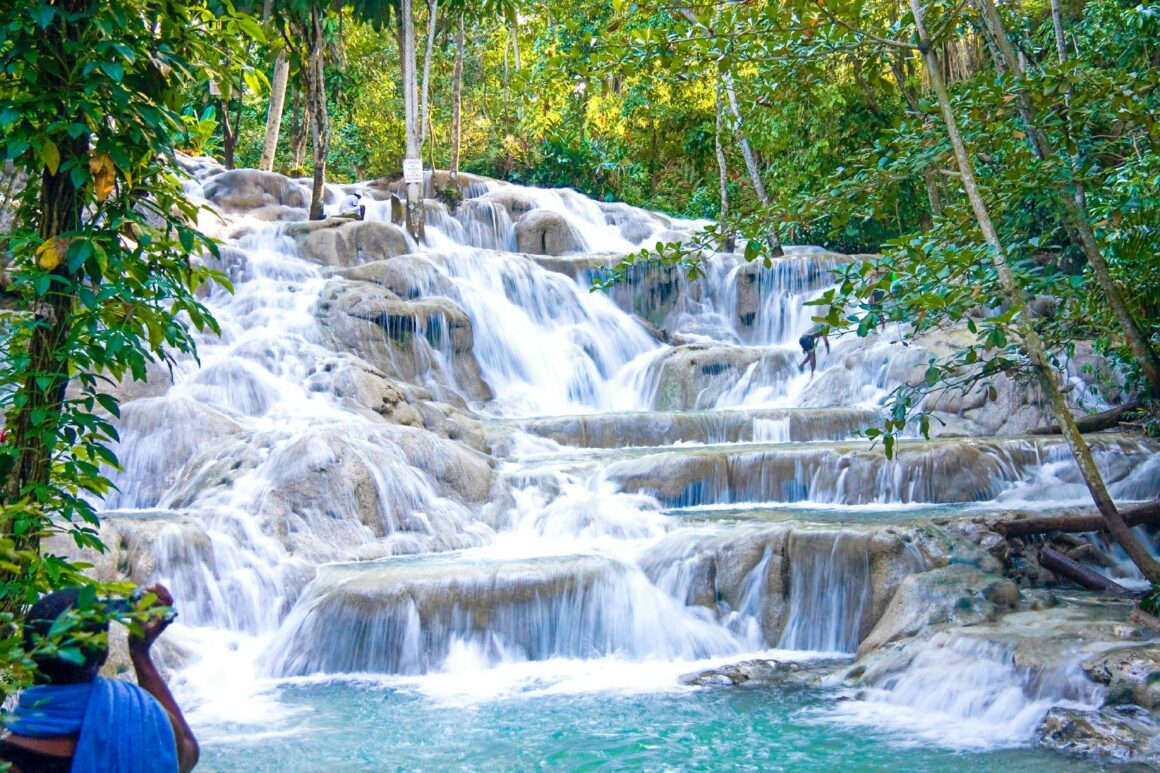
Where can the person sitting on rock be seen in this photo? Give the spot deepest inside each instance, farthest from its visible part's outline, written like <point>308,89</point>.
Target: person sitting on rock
<point>77,721</point>
<point>352,207</point>
<point>809,344</point>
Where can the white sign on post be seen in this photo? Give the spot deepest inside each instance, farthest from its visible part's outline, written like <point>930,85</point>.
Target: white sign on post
<point>412,170</point>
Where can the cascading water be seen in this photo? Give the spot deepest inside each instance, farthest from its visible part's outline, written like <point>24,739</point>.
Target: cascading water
<point>455,462</point>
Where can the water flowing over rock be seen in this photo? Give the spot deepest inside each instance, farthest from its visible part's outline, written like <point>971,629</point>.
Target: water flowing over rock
<point>452,461</point>
<point>427,341</point>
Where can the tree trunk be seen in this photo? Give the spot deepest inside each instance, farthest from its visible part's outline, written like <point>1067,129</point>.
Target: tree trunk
<point>771,236</point>
<point>1076,523</point>
<point>456,103</point>
<point>723,170</point>
<point>316,107</point>
<point>424,115</point>
<point>301,126</point>
<point>229,136</point>
<point>414,214</point>
<point>32,424</point>
<point>274,113</point>
<point>1031,342</point>
<point>1094,423</point>
<point>1071,198</point>
<point>1076,572</point>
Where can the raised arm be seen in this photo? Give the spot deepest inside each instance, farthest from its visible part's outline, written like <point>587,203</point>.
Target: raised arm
<point>150,680</point>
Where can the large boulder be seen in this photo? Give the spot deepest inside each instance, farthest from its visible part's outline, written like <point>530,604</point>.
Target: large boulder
<point>513,199</point>
<point>635,224</point>
<point>427,341</point>
<point>543,232</point>
<point>344,243</point>
<point>407,276</point>
<point>697,375</point>
<point>957,594</point>
<point>1125,734</point>
<point>771,573</point>
<point>241,190</point>
<point>159,439</point>
<point>1132,675</point>
<point>353,490</point>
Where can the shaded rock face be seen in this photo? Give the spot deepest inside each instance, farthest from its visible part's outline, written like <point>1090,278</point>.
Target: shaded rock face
<point>1123,734</point>
<point>345,243</point>
<point>761,290</point>
<point>807,588</point>
<point>541,232</point>
<point>652,290</point>
<point>425,341</point>
<point>486,224</point>
<point>244,190</point>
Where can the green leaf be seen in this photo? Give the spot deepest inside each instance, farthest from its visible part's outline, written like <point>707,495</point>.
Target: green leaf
<point>114,70</point>
<point>50,155</point>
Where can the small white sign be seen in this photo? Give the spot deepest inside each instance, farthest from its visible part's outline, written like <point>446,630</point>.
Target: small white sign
<point>412,170</point>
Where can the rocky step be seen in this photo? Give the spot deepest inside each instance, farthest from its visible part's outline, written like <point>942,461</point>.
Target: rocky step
<point>856,473</point>
<point>409,615</point>
<point>809,513</point>
<point>653,429</point>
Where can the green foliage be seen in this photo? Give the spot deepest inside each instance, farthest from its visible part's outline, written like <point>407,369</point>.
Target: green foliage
<point>1151,601</point>
<point>99,254</point>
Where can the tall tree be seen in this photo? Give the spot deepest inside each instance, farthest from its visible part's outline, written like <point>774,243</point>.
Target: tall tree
<point>457,102</point>
<point>1045,372</point>
<point>305,26</point>
<point>1070,192</point>
<point>99,250</point>
<point>413,216</point>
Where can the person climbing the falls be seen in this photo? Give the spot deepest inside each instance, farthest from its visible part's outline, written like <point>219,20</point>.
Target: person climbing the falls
<point>809,344</point>
<point>75,720</point>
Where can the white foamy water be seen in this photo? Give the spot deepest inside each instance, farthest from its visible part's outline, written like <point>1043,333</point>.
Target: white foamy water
<point>308,539</point>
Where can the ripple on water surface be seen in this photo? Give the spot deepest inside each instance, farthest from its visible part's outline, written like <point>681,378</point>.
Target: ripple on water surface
<point>341,726</point>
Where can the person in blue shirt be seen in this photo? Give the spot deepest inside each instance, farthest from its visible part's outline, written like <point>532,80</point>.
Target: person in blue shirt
<point>75,720</point>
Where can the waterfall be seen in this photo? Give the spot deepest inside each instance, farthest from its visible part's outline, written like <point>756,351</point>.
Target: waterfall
<point>829,586</point>
<point>967,693</point>
<point>450,459</point>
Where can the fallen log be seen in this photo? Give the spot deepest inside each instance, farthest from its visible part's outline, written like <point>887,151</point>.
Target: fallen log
<point>1076,521</point>
<point>1094,423</point>
<point>1076,572</point>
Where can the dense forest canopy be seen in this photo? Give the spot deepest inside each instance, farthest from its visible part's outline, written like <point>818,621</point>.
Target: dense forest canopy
<point>991,155</point>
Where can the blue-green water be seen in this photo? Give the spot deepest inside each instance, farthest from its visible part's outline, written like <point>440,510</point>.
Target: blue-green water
<point>341,726</point>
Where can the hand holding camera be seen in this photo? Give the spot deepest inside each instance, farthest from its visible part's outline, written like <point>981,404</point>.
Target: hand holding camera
<point>157,623</point>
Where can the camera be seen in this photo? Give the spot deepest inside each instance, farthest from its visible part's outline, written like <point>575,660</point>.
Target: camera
<point>115,606</point>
